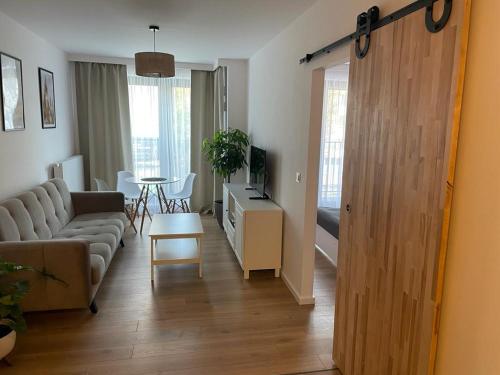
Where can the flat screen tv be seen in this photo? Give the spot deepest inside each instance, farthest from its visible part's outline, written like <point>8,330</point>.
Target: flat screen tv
<point>258,170</point>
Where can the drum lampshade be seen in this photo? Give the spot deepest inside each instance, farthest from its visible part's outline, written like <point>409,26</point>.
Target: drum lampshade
<point>154,64</point>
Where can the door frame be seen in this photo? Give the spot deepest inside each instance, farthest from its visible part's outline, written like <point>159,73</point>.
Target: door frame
<point>341,56</point>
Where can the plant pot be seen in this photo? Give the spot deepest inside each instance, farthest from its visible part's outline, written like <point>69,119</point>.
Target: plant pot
<point>218,212</point>
<point>7,340</point>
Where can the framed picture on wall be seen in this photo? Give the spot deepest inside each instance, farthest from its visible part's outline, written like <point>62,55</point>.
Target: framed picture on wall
<point>47,98</point>
<point>12,99</point>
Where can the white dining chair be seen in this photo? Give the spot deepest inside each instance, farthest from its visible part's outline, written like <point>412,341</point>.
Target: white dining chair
<point>101,185</point>
<point>129,204</point>
<point>129,189</point>
<point>183,195</point>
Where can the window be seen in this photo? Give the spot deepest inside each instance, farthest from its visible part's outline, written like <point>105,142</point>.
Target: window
<point>160,111</point>
<point>333,136</point>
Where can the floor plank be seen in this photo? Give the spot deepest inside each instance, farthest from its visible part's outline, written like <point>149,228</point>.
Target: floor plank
<point>221,324</point>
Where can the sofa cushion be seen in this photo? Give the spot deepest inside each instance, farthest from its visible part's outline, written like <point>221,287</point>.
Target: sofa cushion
<point>61,198</point>
<point>97,268</point>
<point>37,214</point>
<point>25,229</point>
<point>102,234</point>
<point>104,250</point>
<point>8,226</point>
<point>102,218</point>
<point>105,227</point>
<point>48,208</point>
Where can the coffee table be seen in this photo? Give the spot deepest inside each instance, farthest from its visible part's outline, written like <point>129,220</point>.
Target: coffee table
<point>176,239</point>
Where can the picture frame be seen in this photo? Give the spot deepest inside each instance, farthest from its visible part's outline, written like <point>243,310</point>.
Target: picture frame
<point>12,114</point>
<point>47,98</point>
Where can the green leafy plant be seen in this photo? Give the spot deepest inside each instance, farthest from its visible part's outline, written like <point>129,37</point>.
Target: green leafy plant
<point>12,293</point>
<point>226,151</point>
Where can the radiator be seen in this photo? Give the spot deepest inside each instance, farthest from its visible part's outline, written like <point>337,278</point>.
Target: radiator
<point>71,171</point>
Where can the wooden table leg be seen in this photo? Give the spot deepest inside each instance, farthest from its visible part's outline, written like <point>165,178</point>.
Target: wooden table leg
<point>159,197</point>
<point>151,260</point>
<point>138,203</point>
<point>145,204</point>
<point>149,215</point>
<point>129,216</point>
<point>200,256</point>
<point>165,200</point>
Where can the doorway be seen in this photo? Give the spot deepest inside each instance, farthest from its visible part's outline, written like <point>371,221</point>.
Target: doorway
<point>331,160</point>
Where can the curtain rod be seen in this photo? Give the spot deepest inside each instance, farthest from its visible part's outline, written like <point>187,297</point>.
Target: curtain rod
<point>369,21</point>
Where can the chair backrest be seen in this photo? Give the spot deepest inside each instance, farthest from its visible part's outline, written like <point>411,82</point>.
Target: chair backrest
<point>187,189</point>
<point>129,189</point>
<point>101,185</point>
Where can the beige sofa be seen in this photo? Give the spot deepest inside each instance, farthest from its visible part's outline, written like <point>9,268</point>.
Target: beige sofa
<point>72,236</point>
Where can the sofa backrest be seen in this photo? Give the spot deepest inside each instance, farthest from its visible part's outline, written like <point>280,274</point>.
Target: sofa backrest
<point>38,214</point>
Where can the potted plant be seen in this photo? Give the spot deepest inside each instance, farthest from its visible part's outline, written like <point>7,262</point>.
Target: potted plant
<point>226,151</point>
<point>11,294</point>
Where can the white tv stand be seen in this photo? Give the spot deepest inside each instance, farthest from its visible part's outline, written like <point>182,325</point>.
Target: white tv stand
<point>253,228</point>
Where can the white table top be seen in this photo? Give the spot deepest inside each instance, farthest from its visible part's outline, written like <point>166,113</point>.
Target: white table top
<point>181,225</point>
<point>153,180</point>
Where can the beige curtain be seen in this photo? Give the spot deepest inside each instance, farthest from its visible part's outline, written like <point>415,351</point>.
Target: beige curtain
<point>207,116</point>
<point>202,126</point>
<point>220,117</point>
<point>103,120</point>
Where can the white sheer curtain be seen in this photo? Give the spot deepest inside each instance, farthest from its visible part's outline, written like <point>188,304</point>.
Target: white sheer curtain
<point>160,111</point>
<point>332,137</point>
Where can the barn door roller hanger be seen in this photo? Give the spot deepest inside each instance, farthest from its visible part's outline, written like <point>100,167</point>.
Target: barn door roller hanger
<point>370,21</point>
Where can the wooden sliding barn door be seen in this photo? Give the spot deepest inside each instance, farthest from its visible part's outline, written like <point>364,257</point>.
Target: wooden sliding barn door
<point>402,127</point>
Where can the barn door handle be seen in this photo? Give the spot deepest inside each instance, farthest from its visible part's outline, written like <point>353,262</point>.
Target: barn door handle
<point>364,27</point>
<point>436,26</point>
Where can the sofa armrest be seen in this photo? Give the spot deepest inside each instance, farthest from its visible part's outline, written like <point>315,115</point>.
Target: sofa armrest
<point>67,260</point>
<point>93,202</point>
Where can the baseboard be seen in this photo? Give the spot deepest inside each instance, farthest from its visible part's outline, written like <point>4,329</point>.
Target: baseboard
<point>301,300</point>
<point>326,255</point>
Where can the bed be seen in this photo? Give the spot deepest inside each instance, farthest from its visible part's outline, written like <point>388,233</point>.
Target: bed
<point>329,218</point>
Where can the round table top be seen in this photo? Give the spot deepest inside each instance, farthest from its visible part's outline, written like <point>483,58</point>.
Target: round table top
<point>153,180</point>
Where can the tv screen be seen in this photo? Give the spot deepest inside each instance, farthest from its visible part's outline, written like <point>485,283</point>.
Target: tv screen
<point>258,169</point>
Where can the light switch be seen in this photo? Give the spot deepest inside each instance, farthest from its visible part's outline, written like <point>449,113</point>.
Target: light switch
<point>298,177</point>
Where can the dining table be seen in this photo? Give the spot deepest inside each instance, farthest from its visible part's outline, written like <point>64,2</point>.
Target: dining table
<point>150,185</point>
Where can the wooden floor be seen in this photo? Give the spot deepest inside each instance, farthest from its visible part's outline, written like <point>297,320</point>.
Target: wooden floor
<point>220,324</point>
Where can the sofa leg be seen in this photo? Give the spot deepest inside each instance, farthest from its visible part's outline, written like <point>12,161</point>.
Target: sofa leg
<point>122,244</point>
<point>93,307</point>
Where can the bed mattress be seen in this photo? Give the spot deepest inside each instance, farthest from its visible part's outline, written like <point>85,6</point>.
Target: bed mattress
<point>329,218</point>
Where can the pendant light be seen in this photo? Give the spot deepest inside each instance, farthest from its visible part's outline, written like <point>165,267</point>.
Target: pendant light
<point>154,64</point>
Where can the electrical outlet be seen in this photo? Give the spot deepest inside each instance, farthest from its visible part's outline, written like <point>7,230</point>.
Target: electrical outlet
<point>298,177</point>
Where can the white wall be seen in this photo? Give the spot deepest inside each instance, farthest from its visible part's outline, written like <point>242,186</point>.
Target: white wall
<point>25,156</point>
<point>237,105</point>
<point>279,103</point>
<point>327,244</point>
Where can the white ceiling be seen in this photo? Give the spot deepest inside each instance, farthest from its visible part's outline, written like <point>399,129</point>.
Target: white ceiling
<point>194,30</point>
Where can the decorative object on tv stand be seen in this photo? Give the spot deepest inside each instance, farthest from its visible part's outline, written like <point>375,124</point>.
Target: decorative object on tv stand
<point>226,152</point>
<point>11,294</point>
<point>12,100</point>
<point>154,64</point>
<point>47,98</point>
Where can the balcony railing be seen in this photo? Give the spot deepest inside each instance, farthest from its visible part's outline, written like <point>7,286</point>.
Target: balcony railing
<point>146,157</point>
<point>330,188</point>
